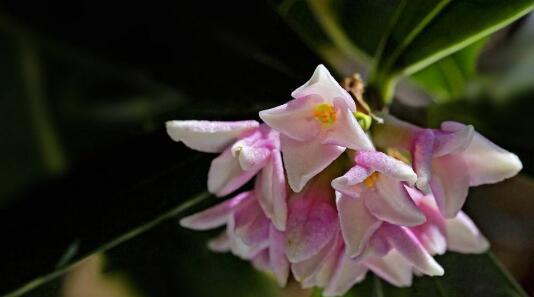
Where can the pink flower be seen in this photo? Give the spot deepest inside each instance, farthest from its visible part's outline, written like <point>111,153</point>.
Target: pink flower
<point>316,127</point>
<point>371,192</point>
<point>438,233</point>
<point>448,160</point>
<point>247,147</point>
<point>249,233</point>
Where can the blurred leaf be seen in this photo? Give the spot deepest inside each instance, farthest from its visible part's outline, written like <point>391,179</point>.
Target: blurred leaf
<point>465,275</point>
<point>448,78</point>
<point>85,155</point>
<point>457,24</point>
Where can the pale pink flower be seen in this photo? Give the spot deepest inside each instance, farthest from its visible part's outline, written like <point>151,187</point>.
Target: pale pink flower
<point>247,147</point>
<point>371,192</point>
<point>249,234</point>
<point>316,127</point>
<point>448,160</point>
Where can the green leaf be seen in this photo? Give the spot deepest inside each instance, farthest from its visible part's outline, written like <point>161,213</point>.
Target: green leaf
<point>457,25</point>
<point>448,78</point>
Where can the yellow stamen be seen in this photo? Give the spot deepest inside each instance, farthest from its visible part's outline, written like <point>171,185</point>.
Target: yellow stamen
<point>371,180</point>
<point>325,113</point>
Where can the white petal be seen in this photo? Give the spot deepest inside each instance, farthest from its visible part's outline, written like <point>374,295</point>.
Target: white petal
<point>208,136</point>
<point>393,268</point>
<point>464,237</point>
<point>390,202</point>
<point>357,224</point>
<point>487,163</point>
<point>295,118</point>
<point>346,131</point>
<point>304,160</point>
<point>323,84</point>
<point>226,175</point>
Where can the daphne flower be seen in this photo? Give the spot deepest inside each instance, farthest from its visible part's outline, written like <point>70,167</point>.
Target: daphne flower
<point>316,127</point>
<point>373,191</point>
<point>438,233</point>
<point>249,233</point>
<point>393,253</point>
<point>448,160</point>
<point>247,147</point>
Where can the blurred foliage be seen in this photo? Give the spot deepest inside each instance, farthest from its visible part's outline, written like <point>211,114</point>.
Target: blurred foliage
<point>86,166</point>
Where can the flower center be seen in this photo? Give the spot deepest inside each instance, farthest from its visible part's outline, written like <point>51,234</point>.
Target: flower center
<point>370,181</point>
<point>325,113</point>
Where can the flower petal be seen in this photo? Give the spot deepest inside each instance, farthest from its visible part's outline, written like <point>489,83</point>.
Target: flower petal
<point>357,224</point>
<point>308,268</point>
<point>295,118</point>
<point>323,84</point>
<point>407,245</point>
<point>226,175</point>
<point>387,165</point>
<point>208,136</point>
<point>220,244</point>
<point>272,192</point>
<point>348,273</point>
<point>311,224</point>
<point>350,183</point>
<point>464,237</point>
<point>486,162</point>
<point>277,257</point>
<point>393,268</point>
<point>389,201</point>
<point>450,184</point>
<point>215,216</point>
<point>454,141</point>
<point>304,160</point>
<point>346,131</point>
<point>422,159</point>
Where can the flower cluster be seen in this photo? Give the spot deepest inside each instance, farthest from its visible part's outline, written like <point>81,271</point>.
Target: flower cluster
<point>332,201</point>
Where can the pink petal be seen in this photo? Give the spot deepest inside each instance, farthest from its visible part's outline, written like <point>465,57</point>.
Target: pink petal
<point>394,133</point>
<point>486,162</point>
<point>433,233</point>
<point>348,273</point>
<point>261,261</point>
<point>208,136</point>
<point>357,224</point>
<point>308,268</point>
<point>389,201</point>
<point>272,192</point>
<point>304,160</point>
<point>323,84</point>
<point>346,131</point>
<point>278,260</point>
<point>350,183</point>
<point>464,237</point>
<point>220,244</point>
<point>226,175</point>
<point>328,266</point>
<point>387,165</point>
<point>311,224</point>
<point>422,159</point>
<point>295,118</point>
<point>450,184</point>
<point>407,245</point>
<point>215,216</point>
<point>453,142</point>
<point>393,268</point>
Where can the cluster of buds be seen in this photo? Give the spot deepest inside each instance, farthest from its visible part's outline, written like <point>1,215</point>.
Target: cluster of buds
<point>332,200</point>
